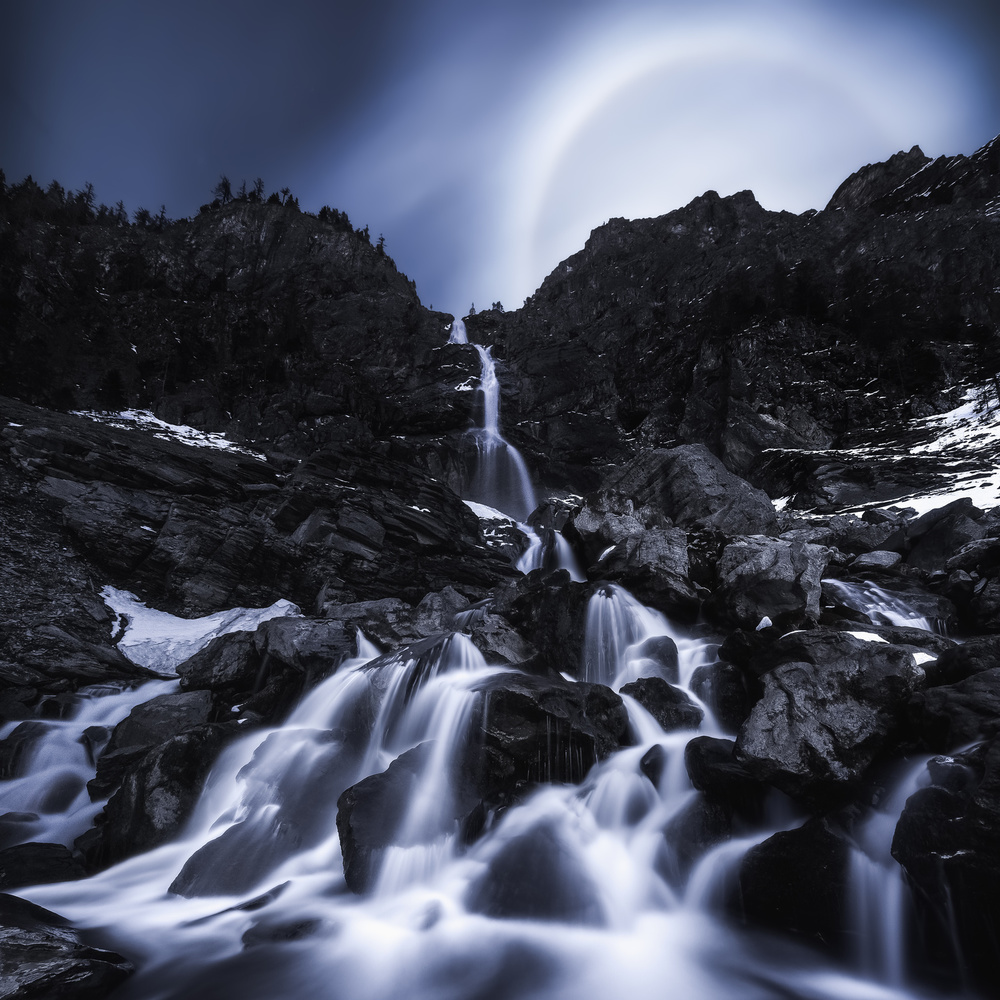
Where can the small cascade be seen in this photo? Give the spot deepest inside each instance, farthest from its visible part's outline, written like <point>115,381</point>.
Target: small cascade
<point>500,477</point>
<point>882,607</point>
<point>46,799</point>
<point>879,898</point>
<point>549,551</point>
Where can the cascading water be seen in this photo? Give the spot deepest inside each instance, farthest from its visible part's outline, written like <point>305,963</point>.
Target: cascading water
<point>500,477</point>
<point>250,901</point>
<point>882,607</point>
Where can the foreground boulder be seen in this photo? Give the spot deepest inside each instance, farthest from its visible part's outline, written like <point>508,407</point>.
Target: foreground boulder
<point>538,729</point>
<point>43,958</point>
<point>770,577</point>
<point>695,490</point>
<point>797,881</point>
<point>156,797</point>
<point>948,842</point>
<point>831,702</point>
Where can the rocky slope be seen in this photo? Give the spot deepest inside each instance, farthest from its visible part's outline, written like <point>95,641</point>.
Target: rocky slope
<point>650,378</point>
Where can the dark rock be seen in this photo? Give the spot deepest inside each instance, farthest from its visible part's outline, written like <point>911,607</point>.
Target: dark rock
<point>948,842</point>
<point>16,749</point>
<point>371,812</point>
<point>538,729</point>
<point>670,706</point>
<point>654,566</point>
<point>695,490</point>
<point>498,641</point>
<point>937,535</point>
<point>534,875</point>
<point>662,651</point>
<point>878,559</point>
<point>550,612</point>
<point>653,761</point>
<point>714,770</point>
<point>831,702</point>
<point>607,518</point>
<point>43,958</point>
<point>160,718</point>
<point>698,827</point>
<point>156,796</point>
<point>37,864</point>
<point>960,661</point>
<point>730,691</point>
<point>953,715</point>
<point>760,577</point>
<point>797,881</point>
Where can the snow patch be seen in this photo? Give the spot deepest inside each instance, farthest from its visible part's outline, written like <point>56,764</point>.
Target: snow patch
<point>485,513</point>
<point>144,420</point>
<point>161,641</point>
<point>868,637</point>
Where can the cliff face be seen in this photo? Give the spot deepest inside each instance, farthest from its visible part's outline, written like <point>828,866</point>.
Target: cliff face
<point>254,318</point>
<point>744,329</point>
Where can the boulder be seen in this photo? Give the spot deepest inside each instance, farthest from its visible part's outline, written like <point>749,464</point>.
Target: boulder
<point>963,660</point>
<point>669,705</point>
<point>535,875</point>
<point>654,566</point>
<point>156,797</point>
<point>371,812</point>
<point>935,537</point>
<point>877,559</point>
<point>797,881</point>
<point>831,702</point>
<point>537,729</point>
<point>691,487</point>
<point>948,842</point>
<point>953,715</point>
<point>37,864</point>
<point>43,958</point>
<point>701,825</point>
<point>760,577</point>
<point>715,771</point>
<point>728,690</point>
<point>550,612</point>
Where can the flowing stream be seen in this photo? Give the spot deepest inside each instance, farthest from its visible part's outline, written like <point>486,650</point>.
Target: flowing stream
<point>576,892</point>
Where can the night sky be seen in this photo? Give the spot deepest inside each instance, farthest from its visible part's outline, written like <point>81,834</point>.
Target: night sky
<point>486,139</point>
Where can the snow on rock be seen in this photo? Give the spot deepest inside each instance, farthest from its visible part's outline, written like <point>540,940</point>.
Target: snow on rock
<point>160,641</point>
<point>181,433</point>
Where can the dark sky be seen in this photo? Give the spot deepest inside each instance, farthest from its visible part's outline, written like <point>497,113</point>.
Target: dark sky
<point>485,139</point>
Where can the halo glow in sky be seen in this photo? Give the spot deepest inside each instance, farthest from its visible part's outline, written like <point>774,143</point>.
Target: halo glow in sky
<point>486,140</point>
<point>638,116</point>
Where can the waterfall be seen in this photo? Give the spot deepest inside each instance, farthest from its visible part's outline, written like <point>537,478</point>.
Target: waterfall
<point>458,334</point>
<point>500,477</point>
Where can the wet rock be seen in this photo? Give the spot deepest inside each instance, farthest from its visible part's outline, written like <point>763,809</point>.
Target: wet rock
<point>714,770</point>
<point>695,490</point>
<point>948,842</point>
<point>698,827</point>
<point>291,786</point>
<point>730,691</point>
<point>831,702</point>
<point>963,660</point>
<point>536,876</point>
<point>156,796</point>
<point>538,729</point>
<point>550,612</point>
<point>797,881</point>
<point>878,559</point>
<point>655,568</point>
<point>608,518</point>
<point>37,864</point>
<point>371,812</point>
<point>953,715</point>
<point>499,642</point>
<point>43,958</point>
<point>670,706</point>
<point>935,537</point>
<point>662,651</point>
<point>760,577</point>
<point>17,748</point>
<point>146,726</point>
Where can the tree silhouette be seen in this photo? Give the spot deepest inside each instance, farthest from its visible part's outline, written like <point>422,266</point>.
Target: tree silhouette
<point>223,190</point>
